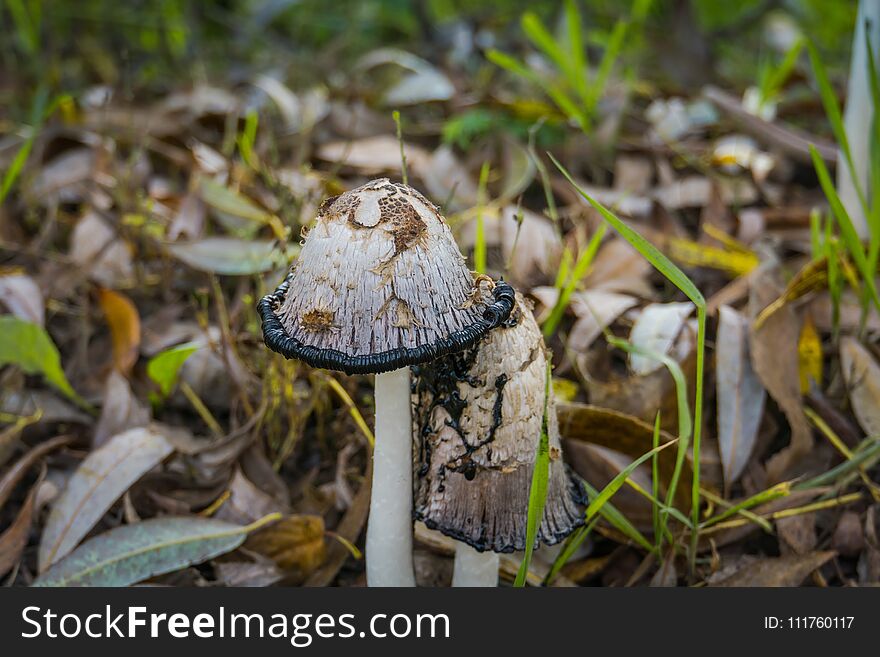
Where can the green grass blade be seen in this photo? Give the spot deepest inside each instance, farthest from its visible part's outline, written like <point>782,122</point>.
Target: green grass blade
<point>542,39</point>
<point>566,104</point>
<point>609,58</point>
<point>847,230</point>
<point>480,240</point>
<point>614,517</point>
<point>538,488</point>
<point>614,485</point>
<point>580,70</point>
<point>567,289</point>
<point>648,251</point>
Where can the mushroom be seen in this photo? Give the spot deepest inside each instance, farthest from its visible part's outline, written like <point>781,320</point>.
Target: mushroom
<point>380,285</point>
<point>478,421</point>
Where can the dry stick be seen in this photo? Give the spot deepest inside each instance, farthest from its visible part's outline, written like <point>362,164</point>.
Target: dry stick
<point>793,142</point>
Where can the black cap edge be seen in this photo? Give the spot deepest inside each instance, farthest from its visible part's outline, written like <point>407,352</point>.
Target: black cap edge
<point>277,339</point>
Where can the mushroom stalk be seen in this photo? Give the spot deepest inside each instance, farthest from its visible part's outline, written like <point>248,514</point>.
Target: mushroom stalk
<point>474,569</point>
<point>390,527</point>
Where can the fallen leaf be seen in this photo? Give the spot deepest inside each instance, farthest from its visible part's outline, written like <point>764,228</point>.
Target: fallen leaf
<point>862,375</point>
<point>246,502</point>
<point>258,574</point>
<point>29,347</point>
<point>373,155</point>
<point>595,310</point>
<point>125,328</point>
<point>301,112</point>
<point>120,410</point>
<point>740,395</point>
<point>132,553</point>
<point>231,256</point>
<point>100,480</point>
<point>295,543</point>
<point>583,423</point>
<point>775,361</point>
<point>655,330</point>
<point>14,539</point>
<point>809,357</point>
<point>790,570</point>
<point>618,267</point>
<point>421,81</point>
<point>797,534</point>
<point>22,296</point>
<point>447,180</point>
<point>63,178</point>
<point>19,469</point>
<point>189,220</point>
<point>848,538</point>
<point>95,247</point>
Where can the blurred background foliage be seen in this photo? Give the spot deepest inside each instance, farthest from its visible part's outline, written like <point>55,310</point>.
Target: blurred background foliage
<point>143,46</point>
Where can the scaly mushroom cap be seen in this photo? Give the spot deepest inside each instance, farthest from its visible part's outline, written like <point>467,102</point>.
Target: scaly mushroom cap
<point>380,284</point>
<point>478,421</point>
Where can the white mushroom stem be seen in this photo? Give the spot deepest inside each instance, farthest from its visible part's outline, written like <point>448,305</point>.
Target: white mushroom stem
<point>390,525</point>
<point>473,569</point>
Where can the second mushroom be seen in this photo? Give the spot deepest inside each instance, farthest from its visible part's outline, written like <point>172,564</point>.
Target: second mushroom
<point>478,422</point>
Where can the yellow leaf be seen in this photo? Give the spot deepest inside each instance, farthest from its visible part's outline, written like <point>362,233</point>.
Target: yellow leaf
<point>565,389</point>
<point>812,276</point>
<point>295,543</point>
<point>809,356</point>
<point>125,327</point>
<point>694,254</point>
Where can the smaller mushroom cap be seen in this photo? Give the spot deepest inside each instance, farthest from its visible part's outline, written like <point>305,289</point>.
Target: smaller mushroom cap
<point>478,421</point>
<point>380,284</point>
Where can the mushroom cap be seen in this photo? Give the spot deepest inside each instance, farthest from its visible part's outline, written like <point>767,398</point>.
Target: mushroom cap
<point>380,284</point>
<point>478,422</point>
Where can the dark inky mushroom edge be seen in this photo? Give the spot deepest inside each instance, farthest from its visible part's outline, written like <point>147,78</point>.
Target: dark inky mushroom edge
<point>278,340</point>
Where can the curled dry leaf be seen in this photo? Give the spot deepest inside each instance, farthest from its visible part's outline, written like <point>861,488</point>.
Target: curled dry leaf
<point>447,180</point>
<point>22,297</point>
<point>655,330</point>
<point>295,543</point>
<point>125,328</point>
<point>246,502</point>
<point>63,178</point>
<point>420,81</point>
<point>95,247</point>
<point>848,538</point>
<point>740,394</point>
<point>530,249</point>
<point>14,538</point>
<point>862,375</point>
<point>595,310</point>
<point>189,220</point>
<point>797,534</point>
<point>618,267</point>
<point>790,570</point>
<point>97,483</point>
<point>120,410</point>
<point>374,155</point>
<point>775,361</point>
<point>14,474</point>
